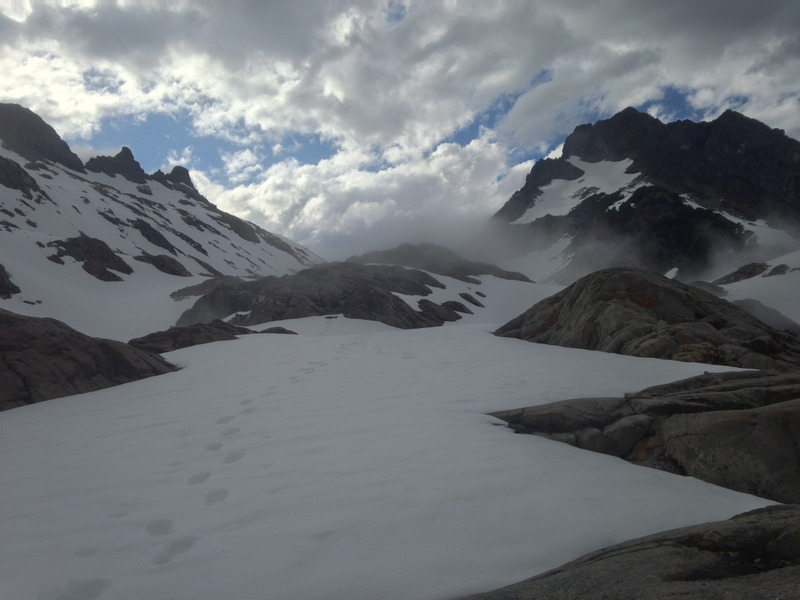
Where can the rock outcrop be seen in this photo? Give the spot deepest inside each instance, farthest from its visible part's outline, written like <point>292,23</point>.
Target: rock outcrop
<point>638,313</point>
<point>95,255</point>
<point>41,359</point>
<point>354,290</point>
<point>737,430</point>
<point>436,259</point>
<point>176,338</point>
<point>753,556</point>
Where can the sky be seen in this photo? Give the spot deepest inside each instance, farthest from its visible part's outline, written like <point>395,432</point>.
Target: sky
<point>359,125</point>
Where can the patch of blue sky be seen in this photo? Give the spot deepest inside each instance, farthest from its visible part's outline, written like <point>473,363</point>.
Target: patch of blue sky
<point>305,149</point>
<point>395,11</point>
<point>672,106</point>
<point>153,139</point>
<point>159,139</point>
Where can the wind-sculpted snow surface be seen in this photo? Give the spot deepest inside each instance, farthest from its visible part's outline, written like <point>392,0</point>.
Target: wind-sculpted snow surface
<point>350,461</point>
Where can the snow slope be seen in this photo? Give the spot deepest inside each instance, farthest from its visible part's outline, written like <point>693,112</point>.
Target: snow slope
<point>129,218</point>
<point>352,461</point>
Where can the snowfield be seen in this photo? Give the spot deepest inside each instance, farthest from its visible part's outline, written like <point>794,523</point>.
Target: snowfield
<point>352,461</point>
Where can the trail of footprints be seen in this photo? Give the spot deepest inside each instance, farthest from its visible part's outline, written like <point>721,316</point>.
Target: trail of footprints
<point>165,527</point>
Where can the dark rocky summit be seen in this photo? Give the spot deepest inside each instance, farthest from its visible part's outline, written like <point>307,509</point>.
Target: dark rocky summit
<point>691,177</point>
<point>354,290</point>
<point>638,313</point>
<point>41,359</point>
<point>175,338</point>
<point>733,163</point>
<point>754,556</point>
<point>122,164</point>
<point>738,430</point>
<point>26,133</point>
<point>436,259</point>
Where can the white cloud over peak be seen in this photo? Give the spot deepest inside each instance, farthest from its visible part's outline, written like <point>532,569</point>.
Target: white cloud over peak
<point>387,87</point>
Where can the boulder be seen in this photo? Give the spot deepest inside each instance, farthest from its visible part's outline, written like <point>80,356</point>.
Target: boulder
<point>753,556</point>
<point>41,359</point>
<point>640,313</point>
<point>737,430</point>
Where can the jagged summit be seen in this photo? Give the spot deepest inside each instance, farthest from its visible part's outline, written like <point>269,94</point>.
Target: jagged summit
<point>122,164</point>
<point>633,191</point>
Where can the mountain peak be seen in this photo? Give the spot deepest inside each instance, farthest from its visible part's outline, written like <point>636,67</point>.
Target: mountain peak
<point>26,133</point>
<point>123,163</point>
<point>614,139</point>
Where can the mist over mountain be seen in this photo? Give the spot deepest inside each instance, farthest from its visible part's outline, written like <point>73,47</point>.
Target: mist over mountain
<point>633,191</point>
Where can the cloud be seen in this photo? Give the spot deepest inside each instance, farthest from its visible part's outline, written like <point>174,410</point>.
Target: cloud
<point>388,86</point>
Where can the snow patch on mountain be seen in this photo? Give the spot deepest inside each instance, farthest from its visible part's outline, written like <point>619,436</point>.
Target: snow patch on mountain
<point>561,196</point>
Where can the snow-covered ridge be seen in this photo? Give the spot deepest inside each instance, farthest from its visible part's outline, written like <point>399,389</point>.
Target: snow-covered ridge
<point>163,233</point>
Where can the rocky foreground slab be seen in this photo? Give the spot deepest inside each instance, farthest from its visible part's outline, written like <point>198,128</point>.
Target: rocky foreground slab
<point>754,556</point>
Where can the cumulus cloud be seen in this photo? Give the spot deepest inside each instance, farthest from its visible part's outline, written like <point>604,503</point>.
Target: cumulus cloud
<point>389,86</point>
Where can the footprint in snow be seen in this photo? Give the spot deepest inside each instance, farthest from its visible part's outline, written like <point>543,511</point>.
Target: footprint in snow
<point>249,410</point>
<point>231,431</point>
<point>174,548</point>
<point>159,527</point>
<point>232,457</point>
<point>223,420</point>
<point>215,496</point>
<point>198,478</point>
<point>213,446</point>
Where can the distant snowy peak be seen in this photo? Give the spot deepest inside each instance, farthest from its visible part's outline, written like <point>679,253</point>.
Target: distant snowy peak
<point>633,191</point>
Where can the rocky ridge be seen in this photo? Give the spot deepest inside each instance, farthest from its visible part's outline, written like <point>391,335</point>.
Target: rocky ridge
<point>353,290</point>
<point>436,259</point>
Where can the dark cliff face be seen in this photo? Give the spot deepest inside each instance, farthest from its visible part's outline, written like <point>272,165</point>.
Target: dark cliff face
<point>733,163</point>
<point>24,132</point>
